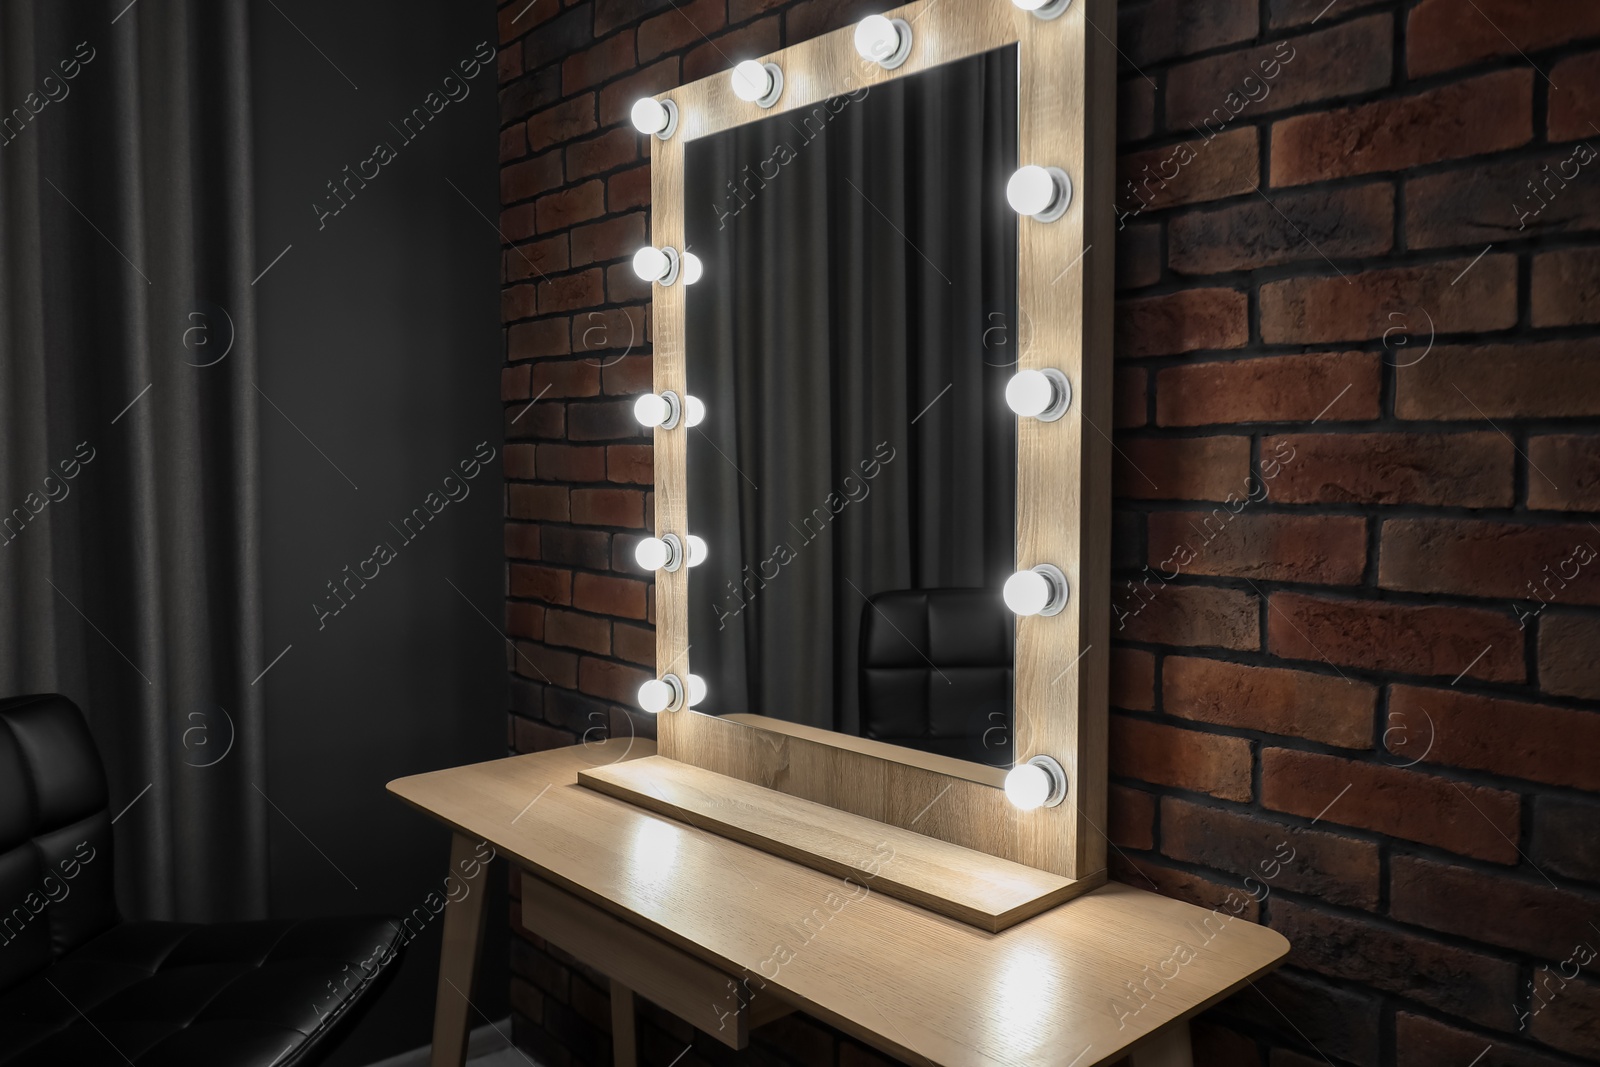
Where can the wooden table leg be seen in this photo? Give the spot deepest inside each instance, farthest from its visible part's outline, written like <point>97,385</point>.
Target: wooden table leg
<point>624,1044</point>
<point>458,957</point>
<point>1168,1047</point>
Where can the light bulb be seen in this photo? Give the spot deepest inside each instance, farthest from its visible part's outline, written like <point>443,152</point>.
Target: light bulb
<point>659,117</point>
<point>652,554</point>
<point>886,42</point>
<point>1041,782</point>
<point>661,694</point>
<point>696,686</point>
<point>1044,395</point>
<point>694,411</point>
<point>1045,9</point>
<point>1027,786</point>
<point>652,409</point>
<point>1041,193</point>
<point>1031,190</point>
<point>1040,590</point>
<point>697,550</point>
<point>692,268</point>
<point>659,553</point>
<point>656,264</point>
<point>759,83</point>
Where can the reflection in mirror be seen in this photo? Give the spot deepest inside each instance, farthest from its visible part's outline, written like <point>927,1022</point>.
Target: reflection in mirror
<point>854,477</point>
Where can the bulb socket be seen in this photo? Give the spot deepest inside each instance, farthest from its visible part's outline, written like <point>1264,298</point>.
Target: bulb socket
<point>1058,779</point>
<point>1052,10</point>
<point>1062,200</point>
<point>1060,592</point>
<point>672,121</point>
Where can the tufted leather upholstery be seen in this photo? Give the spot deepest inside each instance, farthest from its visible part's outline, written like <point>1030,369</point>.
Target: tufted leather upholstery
<point>78,986</point>
<point>936,670</point>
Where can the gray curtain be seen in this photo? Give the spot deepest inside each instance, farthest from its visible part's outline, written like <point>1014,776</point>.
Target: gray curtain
<point>129,574</point>
<point>853,350</point>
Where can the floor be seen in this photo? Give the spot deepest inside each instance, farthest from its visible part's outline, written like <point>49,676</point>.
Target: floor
<point>489,1046</point>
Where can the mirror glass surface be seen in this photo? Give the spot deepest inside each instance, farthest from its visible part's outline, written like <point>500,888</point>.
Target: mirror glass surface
<point>854,477</point>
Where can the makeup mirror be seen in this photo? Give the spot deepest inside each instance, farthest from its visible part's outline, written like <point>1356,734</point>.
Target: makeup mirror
<point>850,330</point>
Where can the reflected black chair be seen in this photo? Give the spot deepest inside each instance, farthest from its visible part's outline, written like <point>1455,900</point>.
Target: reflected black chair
<point>80,986</point>
<point>936,670</point>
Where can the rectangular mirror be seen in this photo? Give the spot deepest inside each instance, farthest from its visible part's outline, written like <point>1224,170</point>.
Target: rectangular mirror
<point>851,336</point>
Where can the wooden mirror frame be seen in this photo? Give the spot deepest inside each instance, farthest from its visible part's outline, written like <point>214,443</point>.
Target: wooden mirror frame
<point>1066,115</point>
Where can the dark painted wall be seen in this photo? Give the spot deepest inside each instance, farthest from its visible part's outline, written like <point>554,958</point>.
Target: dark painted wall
<point>379,367</point>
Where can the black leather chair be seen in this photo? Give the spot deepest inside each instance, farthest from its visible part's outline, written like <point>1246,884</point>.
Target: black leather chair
<point>935,672</point>
<point>83,988</point>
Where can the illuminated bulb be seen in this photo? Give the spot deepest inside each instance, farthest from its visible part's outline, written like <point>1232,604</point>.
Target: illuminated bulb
<point>658,409</point>
<point>886,42</point>
<point>759,83</point>
<point>659,117</point>
<point>697,550</point>
<point>697,689</point>
<point>1045,9</point>
<point>1039,782</point>
<point>1041,394</point>
<point>694,411</point>
<point>692,270</point>
<point>1041,193</point>
<point>661,694</point>
<point>656,264</point>
<point>659,553</point>
<point>1042,590</point>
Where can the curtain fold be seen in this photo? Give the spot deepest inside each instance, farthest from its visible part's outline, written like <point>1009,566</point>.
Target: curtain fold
<point>129,515</point>
<point>852,341</point>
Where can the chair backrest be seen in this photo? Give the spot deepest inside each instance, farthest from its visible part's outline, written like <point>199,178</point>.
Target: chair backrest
<point>936,671</point>
<point>56,886</point>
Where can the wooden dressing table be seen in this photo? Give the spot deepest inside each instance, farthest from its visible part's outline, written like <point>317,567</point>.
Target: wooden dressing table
<point>729,937</point>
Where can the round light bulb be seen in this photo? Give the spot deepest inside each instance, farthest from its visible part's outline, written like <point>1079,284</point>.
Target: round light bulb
<point>1040,590</point>
<point>650,264</point>
<point>751,81</point>
<point>696,687</point>
<point>1028,786</point>
<point>1030,190</point>
<point>650,116</point>
<point>877,38</point>
<point>1030,393</point>
<point>1027,592</point>
<point>697,549</point>
<point>656,696</point>
<point>652,554</point>
<point>652,409</point>
<point>1041,394</point>
<point>694,411</point>
<point>692,268</point>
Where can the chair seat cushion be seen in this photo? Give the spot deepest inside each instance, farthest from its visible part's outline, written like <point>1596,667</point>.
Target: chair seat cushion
<point>159,994</point>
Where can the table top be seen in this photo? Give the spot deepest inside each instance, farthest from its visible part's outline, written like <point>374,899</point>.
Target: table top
<point>1079,985</point>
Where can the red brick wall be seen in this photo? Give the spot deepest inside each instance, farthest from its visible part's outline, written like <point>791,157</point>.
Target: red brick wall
<point>1358,592</point>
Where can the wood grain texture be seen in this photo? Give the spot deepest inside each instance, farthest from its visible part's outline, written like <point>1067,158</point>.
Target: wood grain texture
<point>915,985</point>
<point>1067,109</point>
<point>458,957</point>
<point>974,887</point>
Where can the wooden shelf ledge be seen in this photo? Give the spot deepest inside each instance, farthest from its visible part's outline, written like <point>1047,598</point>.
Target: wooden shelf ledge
<point>978,889</point>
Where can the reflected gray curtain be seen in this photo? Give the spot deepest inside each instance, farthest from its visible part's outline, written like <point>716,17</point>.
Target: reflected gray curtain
<point>852,342</point>
<point>129,575</point>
